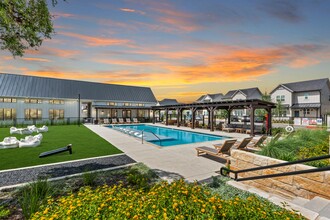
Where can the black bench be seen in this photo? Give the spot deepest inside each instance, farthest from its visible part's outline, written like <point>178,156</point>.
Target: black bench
<point>56,151</point>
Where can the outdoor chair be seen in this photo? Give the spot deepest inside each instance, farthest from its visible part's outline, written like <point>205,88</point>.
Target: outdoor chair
<point>121,121</point>
<point>243,144</point>
<point>227,128</point>
<point>258,143</point>
<point>106,121</point>
<point>221,150</point>
<point>135,120</point>
<point>114,121</point>
<point>128,120</point>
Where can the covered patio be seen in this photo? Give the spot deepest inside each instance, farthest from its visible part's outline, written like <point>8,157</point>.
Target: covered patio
<point>211,107</point>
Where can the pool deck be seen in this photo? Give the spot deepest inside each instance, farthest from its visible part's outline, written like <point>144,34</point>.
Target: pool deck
<point>169,162</point>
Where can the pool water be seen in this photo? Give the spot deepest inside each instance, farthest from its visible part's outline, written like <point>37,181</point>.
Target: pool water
<point>167,136</point>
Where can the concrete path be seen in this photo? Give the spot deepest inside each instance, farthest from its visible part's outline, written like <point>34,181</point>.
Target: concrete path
<point>169,162</point>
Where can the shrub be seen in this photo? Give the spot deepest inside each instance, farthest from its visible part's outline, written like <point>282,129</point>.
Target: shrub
<point>178,200</point>
<point>89,178</point>
<point>33,195</point>
<point>304,144</point>
<point>4,212</point>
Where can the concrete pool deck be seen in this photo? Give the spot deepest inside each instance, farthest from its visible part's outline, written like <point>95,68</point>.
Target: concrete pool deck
<point>169,162</point>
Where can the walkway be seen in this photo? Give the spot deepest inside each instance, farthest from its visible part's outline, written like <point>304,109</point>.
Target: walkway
<point>11,178</point>
<point>169,162</point>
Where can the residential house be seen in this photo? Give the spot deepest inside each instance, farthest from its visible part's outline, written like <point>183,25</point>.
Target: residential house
<point>305,99</point>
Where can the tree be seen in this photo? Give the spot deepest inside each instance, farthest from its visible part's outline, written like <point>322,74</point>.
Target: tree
<point>24,24</point>
<point>263,112</point>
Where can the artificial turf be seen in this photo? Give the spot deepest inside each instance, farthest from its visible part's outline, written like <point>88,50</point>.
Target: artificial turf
<point>85,144</point>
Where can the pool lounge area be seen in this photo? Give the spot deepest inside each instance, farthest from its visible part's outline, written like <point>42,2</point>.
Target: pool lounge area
<point>165,137</point>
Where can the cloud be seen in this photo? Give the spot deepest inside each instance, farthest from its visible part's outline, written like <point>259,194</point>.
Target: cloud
<point>49,51</point>
<point>132,11</point>
<point>35,59</point>
<point>282,9</point>
<point>97,41</point>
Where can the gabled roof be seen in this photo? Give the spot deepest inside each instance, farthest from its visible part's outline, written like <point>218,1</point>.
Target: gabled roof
<point>250,93</point>
<point>215,97</point>
<point>168,102</point>
<point>309,85</point>
<point>12,85</point>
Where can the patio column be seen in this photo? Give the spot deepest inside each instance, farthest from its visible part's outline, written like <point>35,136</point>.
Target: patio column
<point>97,114</point>
<point>228,116</point>
<point>211,118</point>
<point>154,116</point>
<point>269,111</point>
<point>178,110</point>
<point>166,115</point>
<point>193,116</point>
<point>252,120</point>
<point>208,117</point>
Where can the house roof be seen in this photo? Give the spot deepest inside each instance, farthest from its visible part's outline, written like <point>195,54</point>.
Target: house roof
<point>12,85</point>
<point>306,105</point>
<point>250,93</point>
<point>168,102</point>
<point>215,97</point>
<point>309,85</point>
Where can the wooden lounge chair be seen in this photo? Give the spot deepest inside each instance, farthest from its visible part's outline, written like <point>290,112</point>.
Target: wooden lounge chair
<point>222,151</point>
<point>128,121</point>
<point>114,121</point>
<point>258,143</point>
<point>243,144</point>
<point>121,121</point>
<point>106,121</point>
<point>276,137</point>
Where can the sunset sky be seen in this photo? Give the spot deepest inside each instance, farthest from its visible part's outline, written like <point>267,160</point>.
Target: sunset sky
<point>183,48</point>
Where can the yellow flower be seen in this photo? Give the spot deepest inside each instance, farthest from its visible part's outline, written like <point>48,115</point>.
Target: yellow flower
<point>150,216</point>
<point>203,210</point>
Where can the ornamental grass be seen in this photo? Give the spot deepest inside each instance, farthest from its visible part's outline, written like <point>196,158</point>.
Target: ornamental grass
<point>178,200</point>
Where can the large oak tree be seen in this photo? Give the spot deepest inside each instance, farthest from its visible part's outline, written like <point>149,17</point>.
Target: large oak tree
<point>24,24</point>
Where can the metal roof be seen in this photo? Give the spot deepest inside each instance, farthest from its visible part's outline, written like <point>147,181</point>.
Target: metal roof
<point>12,85</point>
<point>215,97</point>
<point>307,105</point>
<point>250,93</point>
<point>310,85</point>
<point>168,102</point>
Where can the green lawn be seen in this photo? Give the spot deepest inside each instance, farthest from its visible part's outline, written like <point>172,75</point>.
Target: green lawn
<point>85,144</point>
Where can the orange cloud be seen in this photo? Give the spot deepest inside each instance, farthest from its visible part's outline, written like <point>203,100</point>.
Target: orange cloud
<point>35,59</point>
<point>97,41</point>
<point>49,51</point>
<point>303,62</point>
<point>132,10</point>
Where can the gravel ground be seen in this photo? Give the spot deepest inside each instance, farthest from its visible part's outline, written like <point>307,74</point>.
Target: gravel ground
<point>8,178</point>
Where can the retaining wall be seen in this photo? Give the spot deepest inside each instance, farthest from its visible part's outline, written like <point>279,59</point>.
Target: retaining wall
<point>304,185</point>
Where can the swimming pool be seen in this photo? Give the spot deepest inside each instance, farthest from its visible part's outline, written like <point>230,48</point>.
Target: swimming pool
<point>165,136</point>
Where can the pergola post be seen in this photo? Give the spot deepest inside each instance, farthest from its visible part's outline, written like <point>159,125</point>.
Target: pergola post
<point>228,116</point>
<point>97,115</point>
<point>208,117</point>
<point>252,120</point>
<point>211,118</point>
<point>269,111</point>
<point>166,116</point>
<point>178,111</point>
<point>193,116</point>
<point>153,116</point>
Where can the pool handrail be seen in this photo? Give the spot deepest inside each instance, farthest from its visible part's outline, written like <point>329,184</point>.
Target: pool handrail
<point>160,141</point>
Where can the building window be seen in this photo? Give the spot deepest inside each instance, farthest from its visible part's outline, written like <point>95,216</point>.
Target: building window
<point>8,100</point>
<point>56,113</point>
<point>127,104</point>
<point>280,98</point>
<point>56,101</point>
<point>112,103</point>
<point>33,101</point>
<point>306,111</point>
<point>306,95</point>
<point>7,113</point>
<point>33,114</point>
<point>140,104</point>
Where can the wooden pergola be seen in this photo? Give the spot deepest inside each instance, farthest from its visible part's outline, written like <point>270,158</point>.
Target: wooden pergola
<point>211,107</point>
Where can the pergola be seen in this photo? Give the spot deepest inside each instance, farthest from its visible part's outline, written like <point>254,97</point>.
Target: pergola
<point>251,104</point>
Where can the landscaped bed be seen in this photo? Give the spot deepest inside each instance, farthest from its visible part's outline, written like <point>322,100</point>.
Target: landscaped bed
<point>137,193</point>
<point>85,144</point>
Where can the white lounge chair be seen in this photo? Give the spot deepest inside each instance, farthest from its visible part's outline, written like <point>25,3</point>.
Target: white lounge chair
<point>121,121</point>
<point>135,120</point>
<point>128,120</point>
<point>114,121</point>
<point>44,128</point>
<point>106,121</point>
<point>14,130</point>
<point>30,141</point>
<point>9,142</point>
<point>32,128</point>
